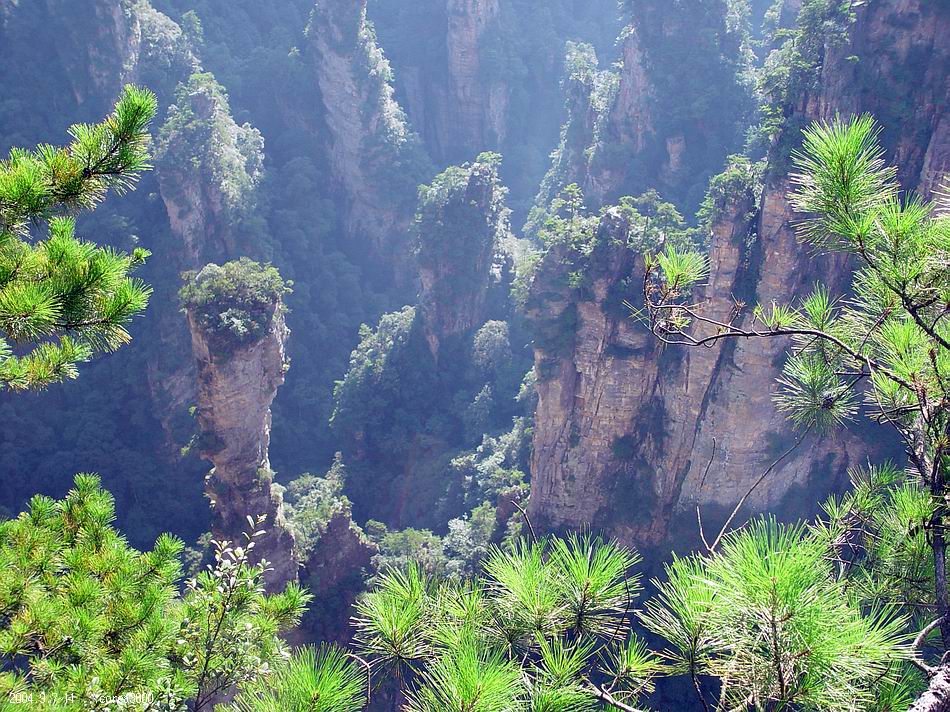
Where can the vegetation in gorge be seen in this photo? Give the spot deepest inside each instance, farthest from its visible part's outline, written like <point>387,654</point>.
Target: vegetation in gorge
<point>415,410</point>
<point>432,382</point>
<point>793,63</point>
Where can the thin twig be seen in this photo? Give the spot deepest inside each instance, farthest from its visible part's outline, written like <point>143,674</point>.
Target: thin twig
<point>722,532</point>
<point>369,675</point>
<point>919,641</point>
<point>527,520</point>
<point>702,483</point>
<point>608,699</point>
<point>702,534</point>
<point>712,457</point>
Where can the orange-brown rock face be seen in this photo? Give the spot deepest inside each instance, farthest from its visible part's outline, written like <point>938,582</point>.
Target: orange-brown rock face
<point>235,392</point>
<point>626,429</point>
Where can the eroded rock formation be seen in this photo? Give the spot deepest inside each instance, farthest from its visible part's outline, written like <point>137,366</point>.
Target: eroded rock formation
<point>375,158</point>
<point>458,108</point>
<point>646,127</point>
<point>237,382</point>
<point>335,571</point>
<point>630,436</point>
<point>208,170</point>
<point>84,63</point>
<point>461,223</point>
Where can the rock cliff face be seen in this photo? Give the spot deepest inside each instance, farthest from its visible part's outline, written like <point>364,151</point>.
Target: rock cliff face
<point>335,573</point>
<point>650,128</point>
<point>459,110</point>
<point>80,57</point>
<point>235,392</point>
<point>630,437</point>
<point>208,170</point>
<point>375,159</point>
<point>485,76</point>
<point>480,106</point>
<point>111,58</point>
<point>461,222</point>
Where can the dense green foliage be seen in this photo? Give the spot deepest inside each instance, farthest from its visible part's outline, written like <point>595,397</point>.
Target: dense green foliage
<point>63,299</point>
<point>235,302</point>
<point>461,219</point>
<point>310,502</point>
<point>794,63</point>
<point>519,53</point>
<point>88,623</point>
<point>388,387</point>
<point>321,680</point>
<point>547,626</point>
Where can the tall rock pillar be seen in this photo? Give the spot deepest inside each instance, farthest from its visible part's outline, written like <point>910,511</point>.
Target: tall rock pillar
<point>238,335</point>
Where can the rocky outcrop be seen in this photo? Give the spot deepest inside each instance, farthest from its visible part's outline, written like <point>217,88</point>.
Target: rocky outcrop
<point>376,161</point>
<point>237,383</point>
<point>478,106</point>
<point>460,225</point>
<point>901,75</point>
<point>208,170</point>
<point>335,572</point>
<point>629,123</point>
<point>629,436</point>
<point>652,128</point>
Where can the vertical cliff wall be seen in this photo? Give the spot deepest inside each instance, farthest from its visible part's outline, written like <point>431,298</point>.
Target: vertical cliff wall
<point>61,54</point>
<point>375,159</point>
<point>626,430</point>
<point>461,223</point>
<point>457,106</point>
<point>235,316</point>
<point>653,127</point>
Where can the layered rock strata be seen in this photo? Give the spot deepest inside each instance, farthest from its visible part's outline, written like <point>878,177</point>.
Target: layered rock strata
<point>631,436</point>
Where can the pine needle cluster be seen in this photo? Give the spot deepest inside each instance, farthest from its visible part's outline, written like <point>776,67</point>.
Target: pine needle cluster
<point>89,623</point>
<point>63,299</point>
<point>542,629</point>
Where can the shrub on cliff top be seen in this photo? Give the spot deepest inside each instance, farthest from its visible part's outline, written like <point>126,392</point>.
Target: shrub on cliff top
<point>234,302</point>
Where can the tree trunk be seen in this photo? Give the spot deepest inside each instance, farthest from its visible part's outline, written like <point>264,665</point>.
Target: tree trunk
<point>937,696</point>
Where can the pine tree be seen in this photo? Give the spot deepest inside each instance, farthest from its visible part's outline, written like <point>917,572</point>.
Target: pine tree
<point>543,628</point>
<point>63,299</point>
<point>89,623</point>
<point>766,617</point>
<point>891,338</point>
